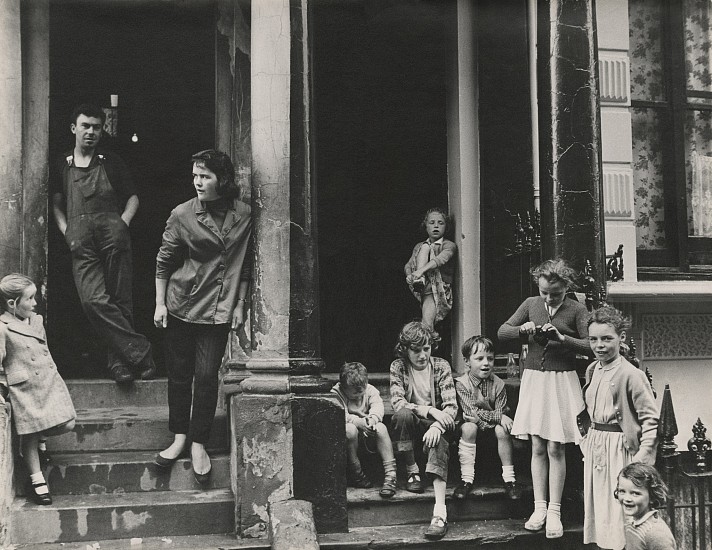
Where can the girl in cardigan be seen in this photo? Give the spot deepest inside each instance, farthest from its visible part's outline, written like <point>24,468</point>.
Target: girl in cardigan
<point>623,427</point>
<point>430,269</point>
<point>555,328</point>
<point>41,405</point>
<point>641,491</point>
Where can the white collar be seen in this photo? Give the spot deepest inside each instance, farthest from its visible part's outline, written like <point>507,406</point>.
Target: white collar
<point>645,518</point>
<point>439,241</point>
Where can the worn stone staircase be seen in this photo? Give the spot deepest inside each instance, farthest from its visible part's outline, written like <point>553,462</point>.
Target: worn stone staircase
<point>103,481</point>
<point>107,491</point>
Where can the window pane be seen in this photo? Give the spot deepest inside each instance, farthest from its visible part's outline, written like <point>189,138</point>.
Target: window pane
<point>646,53</point>
<point>648,179</point>
<point>698,155</point>
<point>698,42</point>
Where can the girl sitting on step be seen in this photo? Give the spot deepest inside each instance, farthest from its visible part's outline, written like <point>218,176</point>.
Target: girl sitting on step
<point>41,405</point>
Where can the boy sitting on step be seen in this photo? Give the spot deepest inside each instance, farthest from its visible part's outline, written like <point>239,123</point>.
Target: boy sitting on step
<point>482,398</point>
<point>364,424</point>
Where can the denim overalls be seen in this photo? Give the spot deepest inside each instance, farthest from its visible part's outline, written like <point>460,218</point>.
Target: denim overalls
<point>101,261</point>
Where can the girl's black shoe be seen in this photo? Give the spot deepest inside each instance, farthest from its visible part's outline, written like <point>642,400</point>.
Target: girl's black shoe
<point>41,499</point>
<point>203,479</point>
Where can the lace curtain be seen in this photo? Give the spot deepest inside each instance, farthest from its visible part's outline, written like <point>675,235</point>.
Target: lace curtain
<point>698,54</point>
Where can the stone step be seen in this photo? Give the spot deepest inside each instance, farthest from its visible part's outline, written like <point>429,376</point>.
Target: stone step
<point>128,428</point>
<point>127,472</point>
<point>91,393</point>
<point>501,534</point>
<point>183,542</point>
<point>74,518</point>
<point>367,509</point>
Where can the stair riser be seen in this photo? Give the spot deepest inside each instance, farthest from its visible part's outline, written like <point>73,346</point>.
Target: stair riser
<point>133,477</point>
<point>403,513</point>
<point>88,394</point>
<point>570,541</point>
<point>35,525</point>
<point>107,435</point>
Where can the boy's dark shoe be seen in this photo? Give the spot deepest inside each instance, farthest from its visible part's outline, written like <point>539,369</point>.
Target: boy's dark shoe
<point>414,485</point>
<point>437,528</point>
<point>359,480</point>
<point>462,490</point>
<point>389,486</point>
<point>122,374</point>
<point>512,490</point>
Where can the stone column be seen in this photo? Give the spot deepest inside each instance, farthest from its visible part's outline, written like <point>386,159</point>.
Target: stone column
<point>288,434</point>
<point>570,140</point>
<point>11,132</point>
<point>35,139</point>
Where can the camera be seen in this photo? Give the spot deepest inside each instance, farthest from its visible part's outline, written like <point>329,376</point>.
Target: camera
<point>542,336</point>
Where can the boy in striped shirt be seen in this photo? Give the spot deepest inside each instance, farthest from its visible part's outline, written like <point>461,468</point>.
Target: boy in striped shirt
<point>482,399</point>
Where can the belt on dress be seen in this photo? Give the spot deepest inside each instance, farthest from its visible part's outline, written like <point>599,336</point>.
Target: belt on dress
<point>606,427</point>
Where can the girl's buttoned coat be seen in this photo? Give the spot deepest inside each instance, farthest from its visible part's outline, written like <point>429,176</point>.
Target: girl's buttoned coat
<point>38,395</point>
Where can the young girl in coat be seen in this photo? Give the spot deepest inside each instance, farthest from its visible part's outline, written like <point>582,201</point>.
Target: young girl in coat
<point>41,405</point>
<point>620,427</point>
<point>555,328</point>
<point>640,492</point>
<point>430,269</point>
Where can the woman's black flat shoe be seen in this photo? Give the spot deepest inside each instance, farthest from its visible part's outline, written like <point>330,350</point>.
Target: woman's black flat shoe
<point>42,499</point>
<point>203,479</point>
<point>163,462</point>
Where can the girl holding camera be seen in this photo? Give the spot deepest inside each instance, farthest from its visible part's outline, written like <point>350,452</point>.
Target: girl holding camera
<point>556,329</point>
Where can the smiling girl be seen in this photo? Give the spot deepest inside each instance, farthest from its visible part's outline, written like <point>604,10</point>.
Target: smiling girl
<point>640,492</point>
<point>623,427</point>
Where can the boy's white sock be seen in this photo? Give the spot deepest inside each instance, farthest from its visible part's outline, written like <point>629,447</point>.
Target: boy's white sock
<point>389,467</point>
<point>467,453</point>
<point>38,479</point>
<point>508,474</point>
<point>440,510</point>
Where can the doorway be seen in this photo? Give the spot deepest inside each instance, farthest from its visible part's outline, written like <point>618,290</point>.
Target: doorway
<point>159,59</point>
<point>381,157</point>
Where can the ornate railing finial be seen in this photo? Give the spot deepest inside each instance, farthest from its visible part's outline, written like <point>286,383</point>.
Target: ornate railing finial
<point>699,444</point>
<point>667,427</point>
<point>614,265</point>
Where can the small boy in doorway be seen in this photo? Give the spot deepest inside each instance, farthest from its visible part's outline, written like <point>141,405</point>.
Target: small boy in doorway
<point>364,424</point>
<point>482,398</point>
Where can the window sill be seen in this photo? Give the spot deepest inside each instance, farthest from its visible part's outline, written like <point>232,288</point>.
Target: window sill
<point>660,291</point>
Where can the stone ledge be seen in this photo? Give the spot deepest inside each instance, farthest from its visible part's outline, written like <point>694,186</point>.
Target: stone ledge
<point>660,291</point>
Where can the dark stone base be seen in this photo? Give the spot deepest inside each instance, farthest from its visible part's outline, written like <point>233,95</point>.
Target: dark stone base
<point>320,459</point>
<point>288,446</point>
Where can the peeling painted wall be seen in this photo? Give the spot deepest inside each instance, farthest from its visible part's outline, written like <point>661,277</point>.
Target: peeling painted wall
<point>6,470</point>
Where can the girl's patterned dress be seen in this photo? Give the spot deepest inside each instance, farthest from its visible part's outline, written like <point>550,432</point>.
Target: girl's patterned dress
<point>604,456</point>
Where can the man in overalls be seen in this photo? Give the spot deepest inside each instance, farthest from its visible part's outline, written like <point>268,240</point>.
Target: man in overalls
<point>94,202</point>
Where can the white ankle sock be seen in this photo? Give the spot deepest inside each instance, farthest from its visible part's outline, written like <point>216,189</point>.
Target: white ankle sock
<point>467,453</point>
<point>508,474</point>
<point>554,509</point>
<point>440,510</point>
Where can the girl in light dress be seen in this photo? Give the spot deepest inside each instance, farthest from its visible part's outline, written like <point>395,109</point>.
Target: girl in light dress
<point>620,426</point>
<point>555,328</point>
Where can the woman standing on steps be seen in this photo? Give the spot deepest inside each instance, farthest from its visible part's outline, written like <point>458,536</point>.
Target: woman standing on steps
<point>203,273</point>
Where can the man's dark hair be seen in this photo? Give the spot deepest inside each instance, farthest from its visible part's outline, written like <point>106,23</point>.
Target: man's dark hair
<point>88,110</point>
